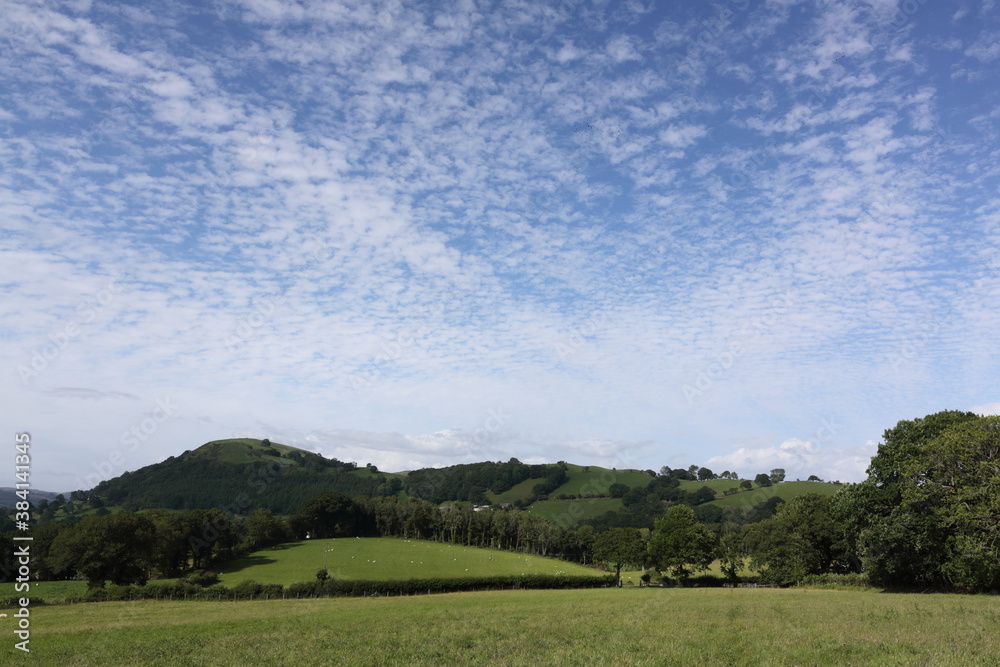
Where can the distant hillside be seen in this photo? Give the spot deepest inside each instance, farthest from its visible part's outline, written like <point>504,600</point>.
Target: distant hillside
<point>8,496</point>
<point>241,474</point>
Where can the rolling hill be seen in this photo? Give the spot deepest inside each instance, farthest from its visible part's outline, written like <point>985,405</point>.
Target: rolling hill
<point>241,474</point>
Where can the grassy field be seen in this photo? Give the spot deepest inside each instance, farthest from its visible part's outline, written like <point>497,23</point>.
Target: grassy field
<point>629,626</point>
<point>568,513</point>
<point>597,480</point>
<point>385,558</point>
<point>785,490</point>
<point>520,491</point>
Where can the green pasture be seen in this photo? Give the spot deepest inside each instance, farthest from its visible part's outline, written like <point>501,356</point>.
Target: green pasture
<point>385,558</point>
<point>596,480</point>
<point>568,513</point>
<point>784,490</point>
<point>630,626</point>
<point>520,491</point>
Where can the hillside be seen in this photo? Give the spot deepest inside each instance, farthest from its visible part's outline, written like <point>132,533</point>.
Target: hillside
<point>241,474</point>
<point>785,490</point>
<point>9,498</point>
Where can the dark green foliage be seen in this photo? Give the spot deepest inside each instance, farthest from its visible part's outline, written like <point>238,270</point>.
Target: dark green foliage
<point>805,537</point>
<point>618,490</point>
<point>252,590</point>
<point>118,547</point>
<point>762,480</point>
<point>929,513</point>
<point>265,478</point>
<point>470,481</point>
<point>680,544</point>
<point>330,514</point>
<point>619,547</point>
<point>702,495</point>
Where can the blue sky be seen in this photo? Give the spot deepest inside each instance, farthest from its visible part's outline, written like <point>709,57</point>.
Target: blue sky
<point>747,234</point>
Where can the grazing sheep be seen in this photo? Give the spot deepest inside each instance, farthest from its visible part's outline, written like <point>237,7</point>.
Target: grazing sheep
<point>3,615</point>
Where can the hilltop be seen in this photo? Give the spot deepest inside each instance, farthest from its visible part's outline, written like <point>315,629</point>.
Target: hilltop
<point>241,474</point>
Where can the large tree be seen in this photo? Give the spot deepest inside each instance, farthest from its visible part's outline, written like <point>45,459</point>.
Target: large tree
<point>680,544</point>
<point>619,547</point>
<point>929,512</point>
<point>330,514</point>
<point>116,547</point>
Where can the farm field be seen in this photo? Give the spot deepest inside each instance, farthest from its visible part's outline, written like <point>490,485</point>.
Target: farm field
<point>569,513</point>
<point>597,480</point>
<point>785,490</point>
<point>648,626</point>
<point>384,558</point>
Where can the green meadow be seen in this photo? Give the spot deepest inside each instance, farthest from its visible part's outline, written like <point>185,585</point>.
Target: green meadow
<point>785,490</point>
<point>630,626</point>
<point>386,558</point>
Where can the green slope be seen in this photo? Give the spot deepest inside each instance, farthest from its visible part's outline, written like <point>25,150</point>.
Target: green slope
<point>785,490</point>
<point>386,558</point>
<point>569,513</point>
<point>596,480</point>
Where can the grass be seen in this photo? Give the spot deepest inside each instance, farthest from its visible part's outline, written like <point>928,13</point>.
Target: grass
<point>520,491</point>
<point>596,480</point>
<point>785,490</point>
<point>385,558</point>
<point>603,626</point>
<point>46,590</point>
<point>569,513</point>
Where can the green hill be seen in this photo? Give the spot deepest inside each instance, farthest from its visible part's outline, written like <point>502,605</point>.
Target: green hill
<point>386,558</point>
<point>785,490</point>
<point>595,480</point>
<point>241,474</point>
<point>569,513</point>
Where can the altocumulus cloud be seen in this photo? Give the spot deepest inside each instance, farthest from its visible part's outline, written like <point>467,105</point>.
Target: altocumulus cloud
<point>362,226</point>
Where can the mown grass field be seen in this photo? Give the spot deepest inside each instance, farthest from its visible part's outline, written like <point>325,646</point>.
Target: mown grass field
<point>603,626</point>
<point>386,558</point>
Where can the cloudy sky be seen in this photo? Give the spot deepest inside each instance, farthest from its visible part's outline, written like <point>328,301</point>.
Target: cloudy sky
<point>747,234</point>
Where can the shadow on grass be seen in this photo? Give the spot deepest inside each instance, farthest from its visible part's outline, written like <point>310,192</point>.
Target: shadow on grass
<point>245,562</point>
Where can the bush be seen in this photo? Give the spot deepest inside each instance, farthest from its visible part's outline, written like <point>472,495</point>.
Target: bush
<point>204,579</point>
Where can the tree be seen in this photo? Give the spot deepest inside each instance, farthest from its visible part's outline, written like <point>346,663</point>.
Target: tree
<point>923,516</point>
<point>762,480</point>
<point>617,490</point>
<point>264,529</point>
<point>804,537</point>
<point>746,485</point>
<point>619,547</point>
<point>814,478</point>
<point>116,547</point>
<point>702,495</point>
<point>680,544</point>
<point>777,475</point>
<point>732,551</point>
<point>704,474</point>
<point>329,514</point>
